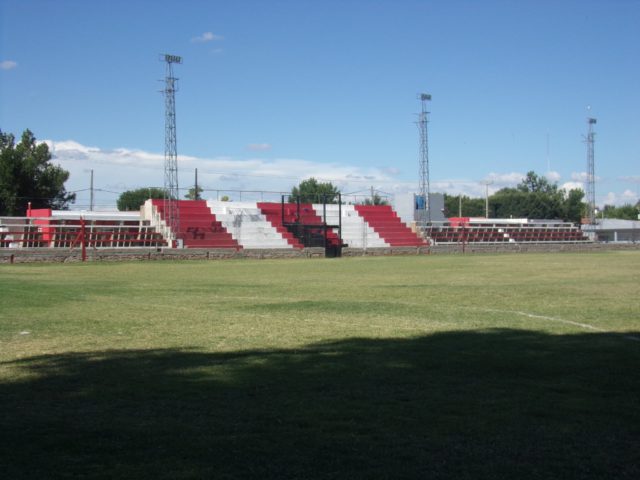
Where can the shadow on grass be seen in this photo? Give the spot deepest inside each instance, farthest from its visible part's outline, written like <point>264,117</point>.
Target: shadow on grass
<point>497,404</point>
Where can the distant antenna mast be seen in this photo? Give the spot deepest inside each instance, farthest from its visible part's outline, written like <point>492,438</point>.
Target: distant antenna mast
<point>425,215</point>
<point>171,193</point>
<point>548,157</point>
<point>591,177</point>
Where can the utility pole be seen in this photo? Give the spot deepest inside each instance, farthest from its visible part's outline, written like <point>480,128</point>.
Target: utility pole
<point>197,194</point>
<point>486,198</point>
<point>91,193</point>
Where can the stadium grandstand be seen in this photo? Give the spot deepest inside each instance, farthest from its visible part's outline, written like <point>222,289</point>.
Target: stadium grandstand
<point>213,224</point>
<point>522,230</point>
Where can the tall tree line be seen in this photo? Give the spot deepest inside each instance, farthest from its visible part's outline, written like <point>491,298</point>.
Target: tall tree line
<point>28,177</point>
<point>535,197</point>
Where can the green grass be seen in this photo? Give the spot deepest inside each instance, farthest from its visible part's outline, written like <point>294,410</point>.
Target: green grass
<point>478,367</point>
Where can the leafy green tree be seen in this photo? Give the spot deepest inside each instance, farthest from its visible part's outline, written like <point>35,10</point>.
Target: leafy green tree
<point>471,207</point>
<point>27,176</point>
<point>132,200</point>
<point>532,183</point>
<point>573,206</point>
<point>312,191</point>
<point>513,202</point>
<point>193,194</point>
<point>507,203</point>
<point>534,197</point>
<point>625,212</point>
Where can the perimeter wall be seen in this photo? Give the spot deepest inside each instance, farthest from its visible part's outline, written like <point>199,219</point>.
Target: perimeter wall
<point>58,255</point>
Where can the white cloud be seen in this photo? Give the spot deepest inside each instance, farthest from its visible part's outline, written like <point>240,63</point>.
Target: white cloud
<point>572,186</point>
<point>553,176</point>
<point>631,179</point>
<point>259,147</point>
<point>505,179</point>
<point>8,65</point>
<point>629,197</point>
<point>73,152</point>
<point>206,37</point>
<point>469,188</point>
<point>609,199</point>
<point>619,199</point>
<point>583,177</point>
<point>512,179</point>
<point>123,169</point>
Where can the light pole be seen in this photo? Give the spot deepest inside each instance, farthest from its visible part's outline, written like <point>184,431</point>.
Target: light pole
<point>424,158</point>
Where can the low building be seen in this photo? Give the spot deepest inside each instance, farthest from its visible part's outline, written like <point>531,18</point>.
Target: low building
<point>614,230</point>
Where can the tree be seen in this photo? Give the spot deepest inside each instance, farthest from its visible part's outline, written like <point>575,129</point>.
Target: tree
<point>534,197</point>
<point>375,200</point>
<point>532,183</point>
<point>132,200</point>
<point>312,191</point>
<point>471,207</point>
<point>625,212</point>
<point>573,206</point>
<point>27,176</point>
<point>516,203</point>
<point>193,195</point>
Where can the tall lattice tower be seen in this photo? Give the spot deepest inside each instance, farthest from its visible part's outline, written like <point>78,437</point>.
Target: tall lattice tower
<point>171,192</point>
<point>425,213</point>
<point>591,177</point>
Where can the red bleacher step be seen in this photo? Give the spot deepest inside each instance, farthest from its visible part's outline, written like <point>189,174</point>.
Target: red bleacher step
<point>199,227</point>
<point>388,225</point>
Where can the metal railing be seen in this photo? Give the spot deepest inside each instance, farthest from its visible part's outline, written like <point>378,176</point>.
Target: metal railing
<point>47,232</point>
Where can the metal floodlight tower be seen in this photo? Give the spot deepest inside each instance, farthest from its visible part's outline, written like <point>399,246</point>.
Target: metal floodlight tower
<point>591,177</point>
<point>425,215</point>
<point>171,192</point>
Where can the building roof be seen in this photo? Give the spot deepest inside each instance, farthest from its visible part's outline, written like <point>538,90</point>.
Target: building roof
<point>614,224</point>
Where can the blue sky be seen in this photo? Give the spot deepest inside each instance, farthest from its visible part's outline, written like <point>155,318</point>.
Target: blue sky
<point>272,92</point>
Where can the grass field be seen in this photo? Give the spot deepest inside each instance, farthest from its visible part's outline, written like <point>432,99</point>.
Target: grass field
<point>464,367</point>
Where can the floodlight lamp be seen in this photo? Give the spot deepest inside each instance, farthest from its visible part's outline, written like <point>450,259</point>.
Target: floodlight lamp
<point>425,96</point>
<point>172,58</point>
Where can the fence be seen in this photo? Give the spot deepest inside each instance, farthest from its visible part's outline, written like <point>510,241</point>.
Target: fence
<point>47,232</point>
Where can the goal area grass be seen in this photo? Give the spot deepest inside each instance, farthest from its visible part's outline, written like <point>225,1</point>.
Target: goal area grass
<point>460,366</point>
